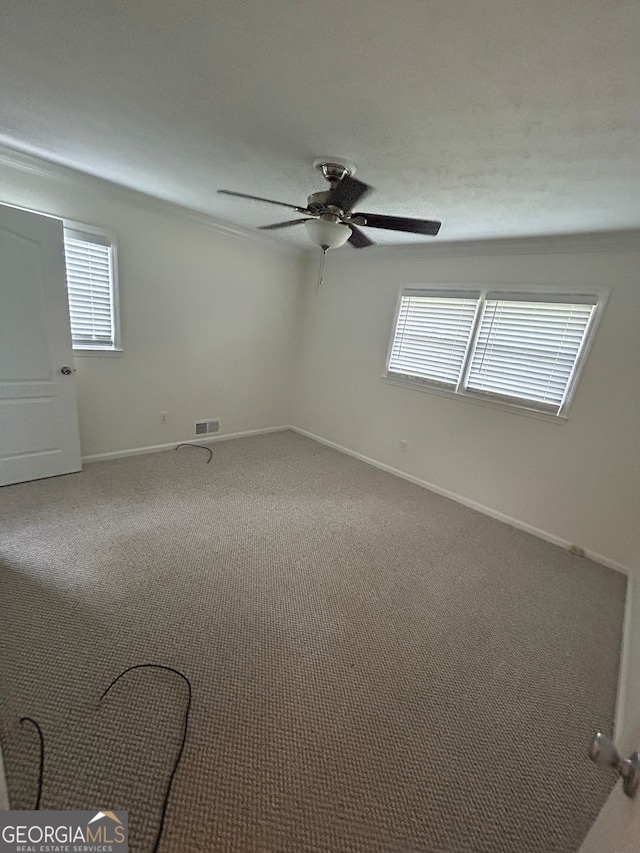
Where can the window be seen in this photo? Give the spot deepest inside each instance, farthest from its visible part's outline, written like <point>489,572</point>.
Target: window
<point>91,285</point>
<point>521,349</point>
<point>432,334</point>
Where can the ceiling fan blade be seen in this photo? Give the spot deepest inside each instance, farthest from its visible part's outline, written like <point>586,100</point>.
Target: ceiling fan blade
<point>348,193</point>
<point>268,200</point>
<point>400,223</point>
<point>277,225</point>
<point>359,239</point>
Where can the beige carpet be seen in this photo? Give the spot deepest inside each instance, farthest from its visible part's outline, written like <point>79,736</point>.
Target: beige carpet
<point>375,668</point>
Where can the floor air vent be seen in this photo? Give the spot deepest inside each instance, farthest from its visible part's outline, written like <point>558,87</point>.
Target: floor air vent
<point>207,427</point>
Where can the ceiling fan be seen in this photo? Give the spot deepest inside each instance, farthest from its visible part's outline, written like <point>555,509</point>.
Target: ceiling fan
<point>329,218</point>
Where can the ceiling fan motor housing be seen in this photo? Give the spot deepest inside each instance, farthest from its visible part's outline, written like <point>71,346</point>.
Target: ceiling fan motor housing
<point>319,202</point>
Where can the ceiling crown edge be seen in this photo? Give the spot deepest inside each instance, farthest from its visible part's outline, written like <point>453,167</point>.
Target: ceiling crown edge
<point>37,165</point>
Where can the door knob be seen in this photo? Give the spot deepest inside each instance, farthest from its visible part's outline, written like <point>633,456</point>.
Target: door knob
<point>603,752</point>
<point>67,371</point>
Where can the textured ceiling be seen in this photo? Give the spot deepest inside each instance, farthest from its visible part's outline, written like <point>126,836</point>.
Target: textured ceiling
<point>501,117</point>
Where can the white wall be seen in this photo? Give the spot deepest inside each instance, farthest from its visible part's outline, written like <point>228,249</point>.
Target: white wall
<point>207,318</point>
<point>578,481</point>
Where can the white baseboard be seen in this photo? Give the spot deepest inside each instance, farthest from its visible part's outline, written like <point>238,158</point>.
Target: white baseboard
<point>493,513</point>
<point>158,448</point>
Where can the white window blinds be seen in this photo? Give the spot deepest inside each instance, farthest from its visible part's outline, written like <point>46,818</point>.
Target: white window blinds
<point>515,348</point>
<point>527,349</point>
<point>90,286</point>
<point>432,335</point>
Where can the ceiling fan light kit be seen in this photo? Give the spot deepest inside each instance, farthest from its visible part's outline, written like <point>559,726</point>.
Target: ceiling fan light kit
<point>327,234</point>
<point>329,219</point>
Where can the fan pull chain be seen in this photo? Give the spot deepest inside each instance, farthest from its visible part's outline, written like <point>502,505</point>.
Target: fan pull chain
<point>324,252</point>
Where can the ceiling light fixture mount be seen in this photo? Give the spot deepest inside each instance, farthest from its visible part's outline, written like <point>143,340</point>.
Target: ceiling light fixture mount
<point>334,169</point>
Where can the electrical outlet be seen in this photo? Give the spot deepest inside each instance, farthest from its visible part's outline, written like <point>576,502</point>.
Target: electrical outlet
<point>403,445</point>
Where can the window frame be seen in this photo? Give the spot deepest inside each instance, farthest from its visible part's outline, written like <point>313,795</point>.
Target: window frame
<point>105,234</point>
<point>538,292</point>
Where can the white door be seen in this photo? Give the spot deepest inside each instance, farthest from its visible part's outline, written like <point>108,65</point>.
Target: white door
<point>617,827</point>
<point>39,434</point>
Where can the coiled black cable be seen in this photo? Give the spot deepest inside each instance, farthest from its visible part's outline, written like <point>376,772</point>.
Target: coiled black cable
<point>165,803</point>
<point>41,771</point>
<point>200,447</point>
<point>184,733</point>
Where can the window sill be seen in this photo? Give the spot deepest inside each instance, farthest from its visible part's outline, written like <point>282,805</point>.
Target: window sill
<point>512,408</point>
<point>93,353</point>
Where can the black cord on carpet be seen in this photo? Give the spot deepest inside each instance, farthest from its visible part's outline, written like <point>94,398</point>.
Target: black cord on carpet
<point>165,802</point>
<point>41,771</point>
<point>202,447</point>
<point>184,733</point>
